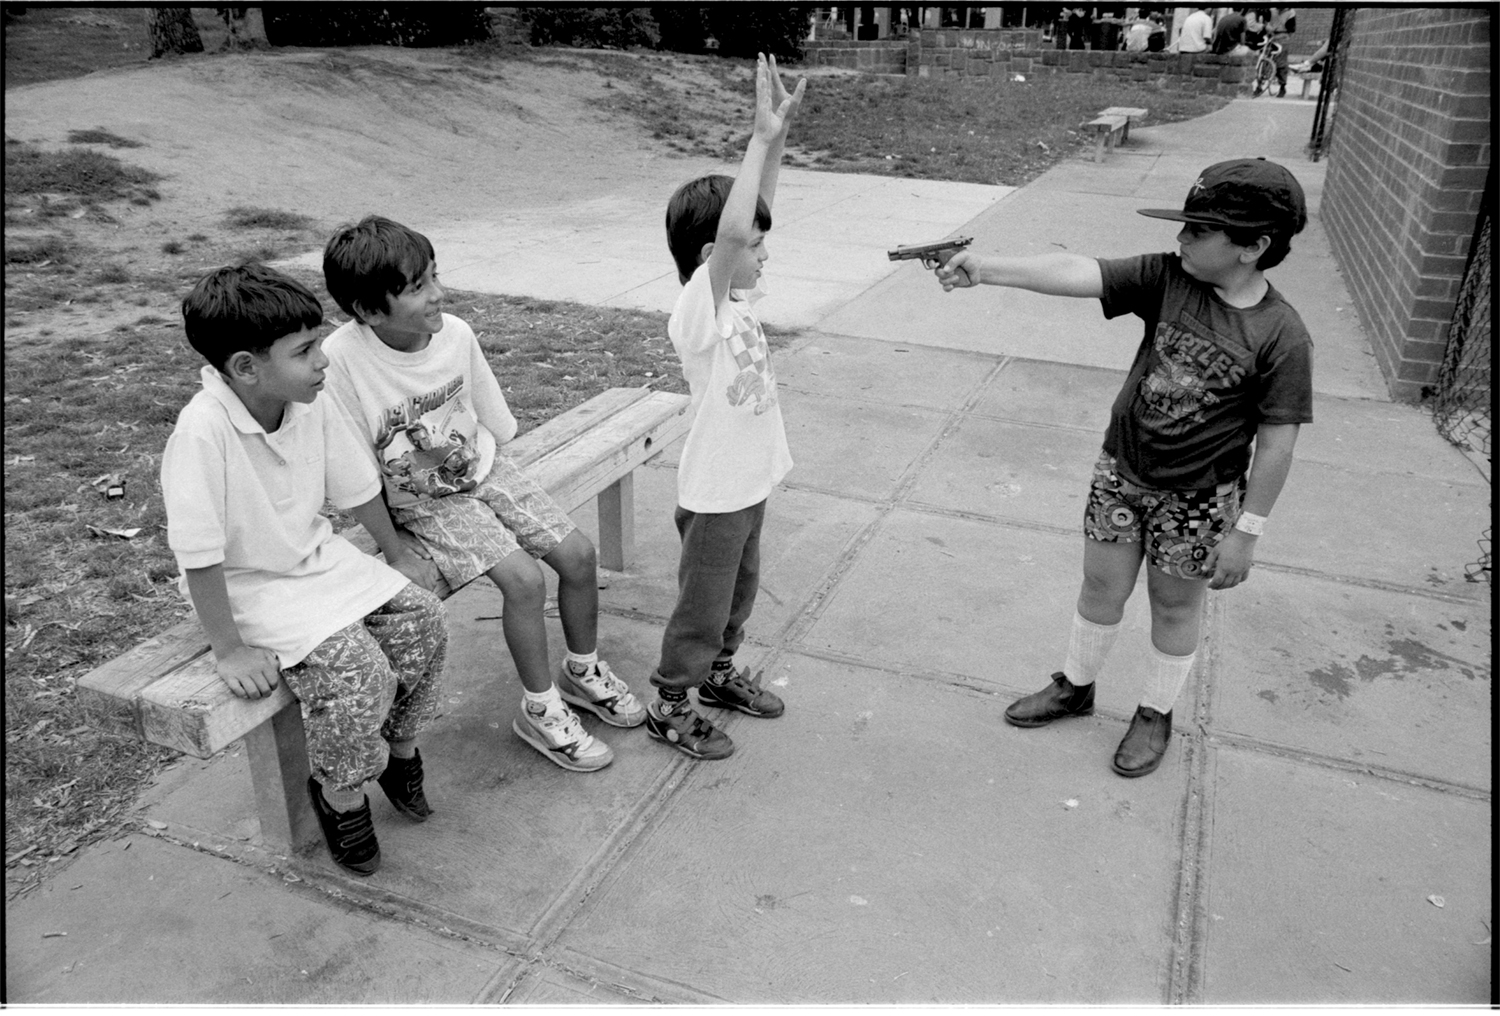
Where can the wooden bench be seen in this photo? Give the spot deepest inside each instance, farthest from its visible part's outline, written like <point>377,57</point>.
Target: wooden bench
<point>1112,127</point>
<point>166,690</point>
<point>1310,78</point>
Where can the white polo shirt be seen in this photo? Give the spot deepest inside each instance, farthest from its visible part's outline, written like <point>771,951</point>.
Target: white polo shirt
<point>251,501</point>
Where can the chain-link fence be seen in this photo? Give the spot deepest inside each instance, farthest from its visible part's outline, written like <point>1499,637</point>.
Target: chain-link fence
<point>1461,405</point>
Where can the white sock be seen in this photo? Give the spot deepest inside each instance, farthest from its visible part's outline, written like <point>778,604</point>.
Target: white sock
<point>343,800</point>
<point>550,698</point>
<point>581,662</point>
<point>1168,675</point>
<point>1088,646</point>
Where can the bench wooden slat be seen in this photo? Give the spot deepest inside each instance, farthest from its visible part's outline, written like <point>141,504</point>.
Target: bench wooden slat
<point>565,427</point>
<point>192,710</point>
<point>107,694</point>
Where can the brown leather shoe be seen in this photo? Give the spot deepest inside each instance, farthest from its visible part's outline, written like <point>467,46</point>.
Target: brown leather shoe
<point>1060,699</point>
<point>1145,742</point>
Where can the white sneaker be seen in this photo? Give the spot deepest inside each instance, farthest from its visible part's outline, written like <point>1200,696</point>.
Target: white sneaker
<point>559,735</point>
<point>602,693</point>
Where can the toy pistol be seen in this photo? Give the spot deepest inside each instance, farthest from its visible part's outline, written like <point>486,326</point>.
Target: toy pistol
<point>931,254</point>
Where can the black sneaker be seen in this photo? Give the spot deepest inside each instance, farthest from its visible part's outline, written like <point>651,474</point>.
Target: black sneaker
<point>402,783</point>
<point>684,729</point>
<point>743,692</point>
<point>350,834</point>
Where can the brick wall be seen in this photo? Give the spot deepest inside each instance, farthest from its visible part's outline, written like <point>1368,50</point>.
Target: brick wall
<point>1407,162</point>
<point>1314,25</point>
<point>882,56</point>
<point>939,53</point>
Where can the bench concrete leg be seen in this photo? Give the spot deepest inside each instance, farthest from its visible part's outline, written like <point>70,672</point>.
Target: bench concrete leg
<point>1104,137</point>
<point>1125,132</point>
<point>278,770</point>
<point>617,523</point>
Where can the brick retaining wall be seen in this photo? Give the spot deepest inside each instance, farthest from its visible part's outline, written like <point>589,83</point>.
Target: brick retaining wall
<point>1406,170</point>
<point>951,52</point>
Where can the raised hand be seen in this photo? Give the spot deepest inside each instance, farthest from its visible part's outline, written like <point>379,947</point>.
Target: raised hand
<point>773,106</point>
<point>779,94</point>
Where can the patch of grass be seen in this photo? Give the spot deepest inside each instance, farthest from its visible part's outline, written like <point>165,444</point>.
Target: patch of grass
<point>197,237</point>
<point>100,136</point>
<point>37,250</point>
<point>114,273</point>
<point>173,247</point>
<point>246,217</point>
<point>975,130</point>
<point>47,43</point>
<point>93,176</point>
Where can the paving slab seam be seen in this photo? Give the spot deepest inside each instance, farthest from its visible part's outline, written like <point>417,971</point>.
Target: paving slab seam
<point>925,508</point>
<point>1245,743</point>
<point>394,906</point>
<point>1185,980</point>
<point>1425,592</point>
<point>299,875</point>
<point>575,895</point>
<point>804,619</point>
<point>945,678</point>
<point>634,984</point>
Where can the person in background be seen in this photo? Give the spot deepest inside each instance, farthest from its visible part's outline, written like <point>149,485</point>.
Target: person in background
<point>1229,33</point>
<point>1196,32</point>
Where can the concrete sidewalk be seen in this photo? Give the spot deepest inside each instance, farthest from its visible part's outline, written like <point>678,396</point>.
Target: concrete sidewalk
<point>1318,833</point>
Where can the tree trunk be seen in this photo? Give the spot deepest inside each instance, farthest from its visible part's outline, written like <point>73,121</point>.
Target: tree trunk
<point>234,21</point>
<point>172,31</point>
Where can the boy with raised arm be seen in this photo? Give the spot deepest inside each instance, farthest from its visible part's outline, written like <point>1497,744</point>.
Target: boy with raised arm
<point>736,451</point>
<point>244,477</point>
<point>433,418</point>
<point>1225,363</point>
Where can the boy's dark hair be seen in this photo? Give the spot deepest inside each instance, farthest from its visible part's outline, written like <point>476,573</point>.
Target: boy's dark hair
<point>1281,244</point>
<point>364,265</point>
<point>246,307</point>
<point>693,219</point>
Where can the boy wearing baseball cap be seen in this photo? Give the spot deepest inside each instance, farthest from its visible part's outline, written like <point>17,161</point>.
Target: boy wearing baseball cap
<point>1225,364</point>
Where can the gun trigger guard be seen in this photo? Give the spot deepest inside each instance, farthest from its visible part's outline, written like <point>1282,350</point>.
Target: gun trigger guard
<point>930,263</point>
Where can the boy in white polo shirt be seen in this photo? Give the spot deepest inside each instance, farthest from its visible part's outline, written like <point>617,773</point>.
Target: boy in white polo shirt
<point>736,451</point>
<point>244,477</point>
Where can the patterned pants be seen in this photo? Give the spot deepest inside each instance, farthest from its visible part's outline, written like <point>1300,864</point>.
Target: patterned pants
<point>375,681</point>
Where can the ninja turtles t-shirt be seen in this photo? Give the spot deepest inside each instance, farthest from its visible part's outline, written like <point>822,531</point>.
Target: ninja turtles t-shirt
<point>1206,376</point>
<point>432,417</point>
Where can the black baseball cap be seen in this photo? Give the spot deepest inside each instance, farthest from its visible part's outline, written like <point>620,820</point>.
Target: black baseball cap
<point>1241,194</point>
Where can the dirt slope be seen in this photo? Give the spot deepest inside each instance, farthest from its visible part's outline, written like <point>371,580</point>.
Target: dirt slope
<point>418,134</point>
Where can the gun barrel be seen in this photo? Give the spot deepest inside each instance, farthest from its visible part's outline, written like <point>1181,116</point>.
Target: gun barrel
<point>930,251</point>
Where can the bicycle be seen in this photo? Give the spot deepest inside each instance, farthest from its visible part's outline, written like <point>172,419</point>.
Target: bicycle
<point>1265,67</point>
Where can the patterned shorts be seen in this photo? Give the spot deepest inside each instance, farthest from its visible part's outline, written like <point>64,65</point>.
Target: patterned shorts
<point>372,682</point>
<point>1179,527</point>
<point>469,533</point>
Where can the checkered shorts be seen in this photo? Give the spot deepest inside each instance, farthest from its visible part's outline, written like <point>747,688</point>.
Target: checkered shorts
<point>1178,527</point>
<point>471,532</point>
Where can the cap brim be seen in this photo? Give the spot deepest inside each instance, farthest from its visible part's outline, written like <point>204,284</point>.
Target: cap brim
<point>1177,215</point>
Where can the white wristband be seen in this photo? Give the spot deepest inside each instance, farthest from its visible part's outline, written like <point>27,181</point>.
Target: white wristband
<point>1254,525</point>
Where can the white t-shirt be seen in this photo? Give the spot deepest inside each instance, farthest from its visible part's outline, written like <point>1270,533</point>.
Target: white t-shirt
<point>239,497</point>
<point>736,451</point>
<point>1197,30</point>
<point>431,419</point>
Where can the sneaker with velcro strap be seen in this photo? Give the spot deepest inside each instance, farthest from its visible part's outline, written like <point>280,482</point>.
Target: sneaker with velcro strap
<point>741,691</point>
<point>350,834</point>
<point>682,727</point>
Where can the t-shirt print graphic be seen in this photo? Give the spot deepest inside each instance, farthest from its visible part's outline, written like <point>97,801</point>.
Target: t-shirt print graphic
<point>1176,386</point>
<point>755,379</point>
<point>428,450</point>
